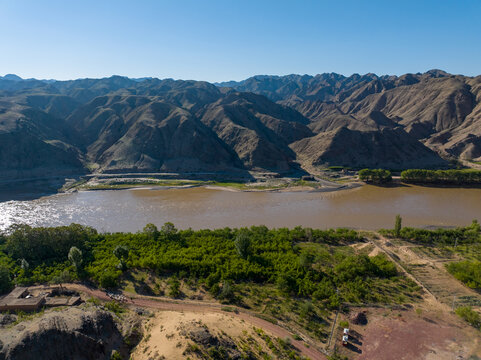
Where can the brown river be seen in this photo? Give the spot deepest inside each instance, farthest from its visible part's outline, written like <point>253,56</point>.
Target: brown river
<point>367,207</point>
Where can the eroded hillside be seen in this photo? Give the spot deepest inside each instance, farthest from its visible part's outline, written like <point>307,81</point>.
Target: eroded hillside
<point>265,123</point>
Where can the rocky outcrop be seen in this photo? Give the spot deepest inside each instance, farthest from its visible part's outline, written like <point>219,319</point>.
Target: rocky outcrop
<point>73,333</point>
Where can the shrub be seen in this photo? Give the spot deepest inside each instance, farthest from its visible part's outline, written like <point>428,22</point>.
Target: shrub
<point>116,355</point>
<point>468,272</point>
<point>109,279</point>
<point>384,267</point>
<point>307,310</point>
<point>242,244</point>
<point>471,316</point>
<point>344,324</point>
<point>114,307</point>
<point>174,290</point>
<point>226,293</point>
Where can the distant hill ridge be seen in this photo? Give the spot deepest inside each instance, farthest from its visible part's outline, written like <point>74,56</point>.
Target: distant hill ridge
<point>275,123</point>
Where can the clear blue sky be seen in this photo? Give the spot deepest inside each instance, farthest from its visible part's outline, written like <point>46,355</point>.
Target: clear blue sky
<point>227,39</point>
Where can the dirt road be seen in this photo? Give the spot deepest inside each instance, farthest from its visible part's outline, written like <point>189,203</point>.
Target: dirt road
<point>309,351</point>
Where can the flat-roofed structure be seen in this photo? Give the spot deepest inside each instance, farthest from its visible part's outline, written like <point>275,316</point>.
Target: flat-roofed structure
<point>62,301</point>
<point>22,304</point>
<point>18,299</point>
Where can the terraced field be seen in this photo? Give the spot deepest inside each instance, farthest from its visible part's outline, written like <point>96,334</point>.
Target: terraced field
<point>427,266</point>
<point>443,286</point>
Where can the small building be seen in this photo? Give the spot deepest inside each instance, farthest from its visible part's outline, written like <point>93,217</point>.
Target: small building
<point>62,301</point>
<point>18,300</point>
<point>23,304</point>
<point>345,340</point>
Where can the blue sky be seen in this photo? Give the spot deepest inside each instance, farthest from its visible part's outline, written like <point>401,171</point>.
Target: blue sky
<point>232,40</point>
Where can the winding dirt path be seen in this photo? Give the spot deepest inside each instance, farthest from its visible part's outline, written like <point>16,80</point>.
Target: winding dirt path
<point>310,351</point>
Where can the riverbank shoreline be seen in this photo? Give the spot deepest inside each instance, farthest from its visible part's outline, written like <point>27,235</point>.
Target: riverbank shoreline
<point>281,185</point>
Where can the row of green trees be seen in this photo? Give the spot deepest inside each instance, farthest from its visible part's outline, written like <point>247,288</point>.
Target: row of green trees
<point>460,235</point>
<point>457,177</point>
<point>375,176</point>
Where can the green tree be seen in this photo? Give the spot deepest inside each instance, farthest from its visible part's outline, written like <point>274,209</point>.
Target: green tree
<point>168,229</point>
<point>151,231</point>
<point>5,280</point>
<point>174,290</point>
<point>376,176</point>
<point>242,244</point>
<point>397,225</point>
<point>75,257</point>
<point>227,293</point>
<point>25,266</point>
<point>121,252</point>
<point>109,279</point>
<point>463,176</point>
<point>475,227</point>
<point>307,310</point>
<point>61,278</point>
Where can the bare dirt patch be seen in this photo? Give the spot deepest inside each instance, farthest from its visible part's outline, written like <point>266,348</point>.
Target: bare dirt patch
<point>392,334</point>
<point>182,335</point>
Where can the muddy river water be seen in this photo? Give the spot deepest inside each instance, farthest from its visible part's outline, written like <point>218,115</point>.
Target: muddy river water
<point>367,207</point>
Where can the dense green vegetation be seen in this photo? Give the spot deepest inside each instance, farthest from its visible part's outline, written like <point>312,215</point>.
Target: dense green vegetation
<point>220,259</point>
<point>296,276</point>
<point>467,271</point>
<point>461,235</point>
<point>471,316</point>
<point>375,176</point>
<point>455,177</point>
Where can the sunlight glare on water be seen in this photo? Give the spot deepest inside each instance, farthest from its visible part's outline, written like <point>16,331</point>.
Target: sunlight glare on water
<point>368,207</point>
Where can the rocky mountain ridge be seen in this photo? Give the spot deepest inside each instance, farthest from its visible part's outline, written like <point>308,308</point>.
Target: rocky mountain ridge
<point>266,123</point>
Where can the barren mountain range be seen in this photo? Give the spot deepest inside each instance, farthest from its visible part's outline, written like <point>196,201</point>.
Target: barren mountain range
<point>274,123</point>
